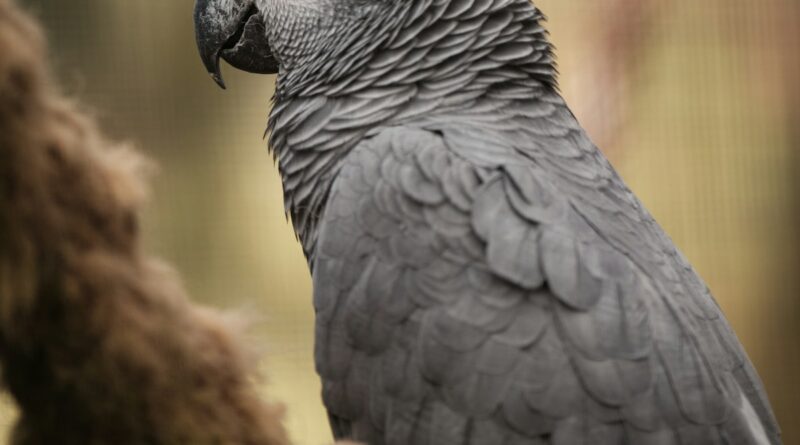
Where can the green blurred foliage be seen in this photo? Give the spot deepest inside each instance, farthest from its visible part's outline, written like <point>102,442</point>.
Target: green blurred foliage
<point>694,102</point>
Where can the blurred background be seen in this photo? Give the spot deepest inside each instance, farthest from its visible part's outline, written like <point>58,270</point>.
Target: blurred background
<point>696,103</point>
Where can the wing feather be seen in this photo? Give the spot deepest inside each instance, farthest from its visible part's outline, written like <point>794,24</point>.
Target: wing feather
<point>475,289</point>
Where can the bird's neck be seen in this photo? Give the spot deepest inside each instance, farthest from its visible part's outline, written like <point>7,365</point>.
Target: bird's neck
<point>401,42</point>
<point>450,58</point>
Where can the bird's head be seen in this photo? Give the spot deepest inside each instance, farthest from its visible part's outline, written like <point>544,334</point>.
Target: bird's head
<point>286,36</point>
<point>233,30</point>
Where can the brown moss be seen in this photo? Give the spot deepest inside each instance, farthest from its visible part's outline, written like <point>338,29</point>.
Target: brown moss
<point>98,342</point>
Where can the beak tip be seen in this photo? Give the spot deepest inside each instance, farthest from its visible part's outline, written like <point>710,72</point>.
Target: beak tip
<point>218,79</point>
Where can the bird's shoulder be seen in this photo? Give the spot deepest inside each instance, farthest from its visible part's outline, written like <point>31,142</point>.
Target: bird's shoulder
<point>509,284</point>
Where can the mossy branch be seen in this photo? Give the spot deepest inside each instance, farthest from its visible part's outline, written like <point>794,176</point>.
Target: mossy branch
<point>98,342</point>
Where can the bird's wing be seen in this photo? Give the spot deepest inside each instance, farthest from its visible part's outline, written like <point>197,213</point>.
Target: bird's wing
<point>469,291</point>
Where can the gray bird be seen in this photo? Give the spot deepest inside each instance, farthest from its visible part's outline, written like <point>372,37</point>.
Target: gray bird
<point>481,273</point>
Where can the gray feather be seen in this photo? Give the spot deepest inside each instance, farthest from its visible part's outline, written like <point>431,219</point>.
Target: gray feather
<point>481,274</point>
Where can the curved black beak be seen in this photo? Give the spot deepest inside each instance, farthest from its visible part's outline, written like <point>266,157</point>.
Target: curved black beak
<point>234,31</point>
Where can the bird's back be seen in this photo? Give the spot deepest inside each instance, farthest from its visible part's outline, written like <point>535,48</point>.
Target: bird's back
<point>487,277</point>
<point>481,273</point>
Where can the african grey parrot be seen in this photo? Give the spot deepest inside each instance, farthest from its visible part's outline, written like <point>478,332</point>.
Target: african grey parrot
<point>481,273</point>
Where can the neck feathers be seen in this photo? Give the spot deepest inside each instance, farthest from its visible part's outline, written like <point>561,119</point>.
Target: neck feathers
<point>401,42</point>
<point>438,57</point>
